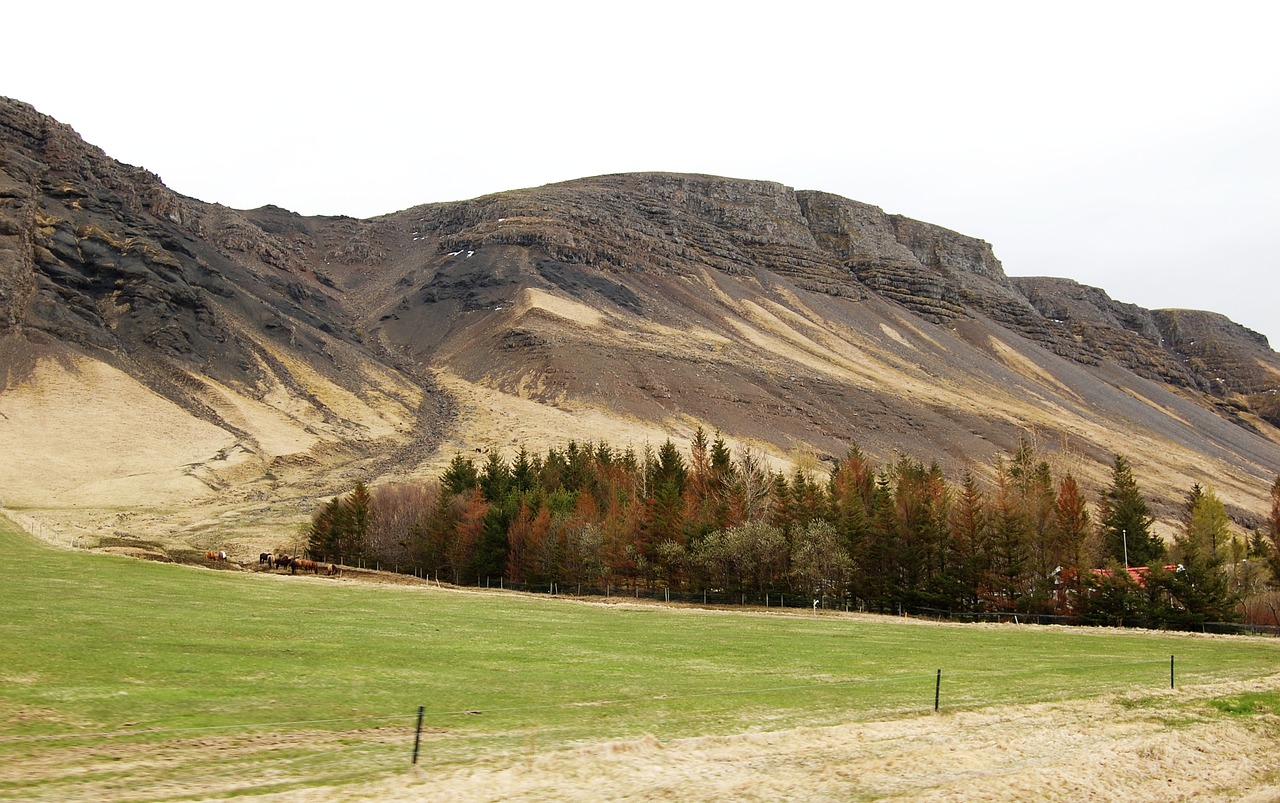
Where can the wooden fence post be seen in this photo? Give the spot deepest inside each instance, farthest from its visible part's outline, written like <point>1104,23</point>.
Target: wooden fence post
<point>417,735</point>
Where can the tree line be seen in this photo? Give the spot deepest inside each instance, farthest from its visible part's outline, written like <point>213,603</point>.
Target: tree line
<point>883,537</point>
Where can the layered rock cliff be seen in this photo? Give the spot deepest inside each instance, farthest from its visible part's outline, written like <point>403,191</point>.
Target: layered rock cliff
<point>626,306</point>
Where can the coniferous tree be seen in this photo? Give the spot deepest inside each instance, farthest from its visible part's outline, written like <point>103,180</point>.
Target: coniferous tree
<point>851,494</point>
<point>878,574</point>
<point>782,511</point>
<point>912,535</point>
<point>521,545</point>
<point>495,478</point>
<point>1207,524</point>
<point>701,502</point>
<point>461,476</point>
<point>523,473</point>
<point>326,532</point>
<point>1189,504</point>
<point>1110,597</point>
<point>491,549</point>
<point>438,534</point>
<point>1273,534</point>
<point>664,508</point>
<point>808,499</point>
<point>1008,577</point>
<point>1039,500</point>
<point>469,514</point>
<point>1126,520</point>
<point>723,474</point>
<point>355,515</point>
<point>577,466</point>
<point>1070,523</point>
<point>1199,584</point>
<point>968,547</point>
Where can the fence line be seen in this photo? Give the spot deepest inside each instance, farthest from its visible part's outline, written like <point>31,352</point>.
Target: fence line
<point>794,601</point>
<point>1218,628</point>
<point>951,673</point>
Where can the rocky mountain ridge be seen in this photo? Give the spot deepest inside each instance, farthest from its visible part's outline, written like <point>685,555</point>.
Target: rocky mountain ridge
<point>315,349</point>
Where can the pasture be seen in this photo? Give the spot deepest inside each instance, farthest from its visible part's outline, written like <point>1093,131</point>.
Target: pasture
<point>132,680</point>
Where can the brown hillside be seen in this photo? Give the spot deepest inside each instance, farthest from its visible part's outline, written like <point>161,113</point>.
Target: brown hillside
<point>182,370</point>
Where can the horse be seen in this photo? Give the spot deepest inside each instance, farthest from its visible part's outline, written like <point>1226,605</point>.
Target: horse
<point>284,562</point>
<point>333,569</point>
<point>215,555</point>
<point>306,563</point>
<point>264,557</point>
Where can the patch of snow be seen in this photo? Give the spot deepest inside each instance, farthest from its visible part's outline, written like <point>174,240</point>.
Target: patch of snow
<point>470,254</point>
<point>454,253</point>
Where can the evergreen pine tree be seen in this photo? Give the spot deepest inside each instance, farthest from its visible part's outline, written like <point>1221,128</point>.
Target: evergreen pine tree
<point>1273,534</point>
<point>1126,520</point>
<point>357,516</point>
<point>1199,585</point>
<point>460,477</point>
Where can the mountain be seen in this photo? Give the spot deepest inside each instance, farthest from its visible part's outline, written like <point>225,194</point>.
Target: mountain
<point>172,368</point>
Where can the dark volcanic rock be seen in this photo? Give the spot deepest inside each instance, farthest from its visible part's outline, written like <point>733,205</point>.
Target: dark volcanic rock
<point>1105,329</point>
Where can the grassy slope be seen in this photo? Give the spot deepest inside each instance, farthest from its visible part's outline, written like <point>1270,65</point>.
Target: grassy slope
<point>198,665</point>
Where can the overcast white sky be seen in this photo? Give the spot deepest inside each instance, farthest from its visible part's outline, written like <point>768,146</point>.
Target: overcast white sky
<point>1131,146</point>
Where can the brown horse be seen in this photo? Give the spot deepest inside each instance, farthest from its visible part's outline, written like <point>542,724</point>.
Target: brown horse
<point>215,555</point>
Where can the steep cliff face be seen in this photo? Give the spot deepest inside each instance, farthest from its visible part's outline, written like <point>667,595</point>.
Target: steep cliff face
<point>1103,329</point>
<point>1232,362</point>
<point>17,222</point>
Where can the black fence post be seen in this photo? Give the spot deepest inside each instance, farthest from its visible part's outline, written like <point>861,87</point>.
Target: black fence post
<point>937,691</point>
<point>417,735</point>
<point>1171,671</point>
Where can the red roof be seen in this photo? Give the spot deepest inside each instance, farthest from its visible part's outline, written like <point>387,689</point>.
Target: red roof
<point>1136,573</point>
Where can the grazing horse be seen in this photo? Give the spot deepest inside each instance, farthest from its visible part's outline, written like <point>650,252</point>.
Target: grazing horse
<point>284,562</point>
<point>333,569</point>
<point>215,555</point>
<point>305,564</point>
<point>264,557</point>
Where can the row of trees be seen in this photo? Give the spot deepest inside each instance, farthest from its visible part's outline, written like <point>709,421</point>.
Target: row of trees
<point>882,536</point>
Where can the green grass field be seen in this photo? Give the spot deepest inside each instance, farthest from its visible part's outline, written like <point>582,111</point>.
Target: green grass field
<point>126,679</point>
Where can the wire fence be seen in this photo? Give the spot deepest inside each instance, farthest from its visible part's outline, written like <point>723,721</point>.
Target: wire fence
<point>1218,628</point>
<point>709,597</point>
<point>775,599</point>
<point>437,715</point>
<point>378,745</point>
